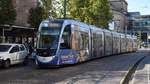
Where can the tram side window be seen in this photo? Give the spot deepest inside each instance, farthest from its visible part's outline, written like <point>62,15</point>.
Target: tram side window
<point>80,40</point>
<point>65,41</point>
<point>108,41</point>
<point>85,40</point>
<point>76,40</point>
<point>118,42</point>
<point>94,41</point>
<point>99,37</point>
<point>97,40</point>
<point>115,42</point>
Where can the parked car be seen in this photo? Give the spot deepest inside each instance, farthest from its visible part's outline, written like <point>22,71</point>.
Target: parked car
<point>12,54</point>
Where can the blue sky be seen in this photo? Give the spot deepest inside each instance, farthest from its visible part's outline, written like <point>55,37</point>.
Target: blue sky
<point>143,6</point>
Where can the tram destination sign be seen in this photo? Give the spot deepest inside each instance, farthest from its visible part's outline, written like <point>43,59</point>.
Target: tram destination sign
<point>52,25</point>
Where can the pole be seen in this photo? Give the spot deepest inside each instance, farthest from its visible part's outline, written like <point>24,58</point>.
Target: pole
<point>125,29</point>
<point>65,6</point>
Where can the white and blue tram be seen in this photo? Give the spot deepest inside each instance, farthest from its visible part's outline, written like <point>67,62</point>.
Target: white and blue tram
<point>64,41</point>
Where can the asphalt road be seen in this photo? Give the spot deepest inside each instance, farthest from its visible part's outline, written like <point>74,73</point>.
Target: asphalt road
<point>109,70</point>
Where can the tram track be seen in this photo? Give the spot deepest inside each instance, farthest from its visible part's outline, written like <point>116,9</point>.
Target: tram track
<point>107,70</point>
<point>128,76</point>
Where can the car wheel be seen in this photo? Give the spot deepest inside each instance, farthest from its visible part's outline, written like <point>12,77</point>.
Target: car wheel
<point>7,64</point>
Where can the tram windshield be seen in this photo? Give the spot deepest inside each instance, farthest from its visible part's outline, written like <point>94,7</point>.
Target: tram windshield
<point>48,36</point>
<point>48,40</point>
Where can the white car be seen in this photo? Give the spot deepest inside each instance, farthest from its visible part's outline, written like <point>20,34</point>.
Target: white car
<point>12,54</point>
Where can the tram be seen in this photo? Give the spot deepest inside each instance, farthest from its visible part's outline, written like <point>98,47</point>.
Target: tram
<point>65,41</point>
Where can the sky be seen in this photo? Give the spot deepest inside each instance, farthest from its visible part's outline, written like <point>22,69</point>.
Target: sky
<point>142,6</point>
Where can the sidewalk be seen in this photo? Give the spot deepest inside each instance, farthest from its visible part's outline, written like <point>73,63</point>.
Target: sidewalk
<point>142,74</point>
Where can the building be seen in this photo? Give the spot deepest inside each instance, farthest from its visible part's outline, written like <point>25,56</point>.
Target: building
<point>22,9</point>
<point>131,18</point>
<point>140,24</point>
<point>21,30</point>
<point>119,10</point>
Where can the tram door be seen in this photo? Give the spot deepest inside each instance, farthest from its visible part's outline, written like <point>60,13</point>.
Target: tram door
<point>66,38</point>
<point>80,42</point>
<point>108,43</point>
<point>116,43</point>
<point>97,44</point>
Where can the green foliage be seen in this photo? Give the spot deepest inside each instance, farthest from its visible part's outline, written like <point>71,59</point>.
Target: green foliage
<point>59,6</point>
<point>95,12</point>
<point>43,10</point>
<point>48,8</point>
<point>139,39</point>
<point>7,12</point>
<point>35,17</point>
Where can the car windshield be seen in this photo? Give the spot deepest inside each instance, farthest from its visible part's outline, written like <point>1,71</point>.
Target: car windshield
<point>4,48</point>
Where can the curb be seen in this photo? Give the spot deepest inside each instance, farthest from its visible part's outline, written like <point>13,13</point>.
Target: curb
<point>131,71</point>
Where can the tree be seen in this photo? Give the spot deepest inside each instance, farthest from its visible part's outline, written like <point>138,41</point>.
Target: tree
<point>35,17</point>
<point>59,8</point>
<point>48,8</point>
<point>43,10</point>
<point>139,39</point>
<point>7,12</point>
<point>95,12</point>
<point>78,9</point>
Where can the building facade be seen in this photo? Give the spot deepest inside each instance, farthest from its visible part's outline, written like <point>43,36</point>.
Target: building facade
<point>20,31</point>
<point>119,10</point>
<point>131,18</point>
<point>140,24</point>
<point>22,9</point>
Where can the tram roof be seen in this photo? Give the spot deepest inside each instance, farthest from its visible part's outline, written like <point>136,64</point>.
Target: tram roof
<point>95,28</point>
<point>116,33</point>
<point>71,21</point>
<point>105,30</point>
<point>65,21</point>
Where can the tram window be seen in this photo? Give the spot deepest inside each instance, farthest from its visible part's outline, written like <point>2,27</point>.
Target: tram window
<point>85,40</point>
<point>76,40</point>
<point>108,41</point>
<point>65,40</point>
<point>99,36</point>
<point>94,40</point>
<point>97,40</point>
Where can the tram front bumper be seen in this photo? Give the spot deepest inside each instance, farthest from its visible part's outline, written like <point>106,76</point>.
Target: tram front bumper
<point>47,61</point>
